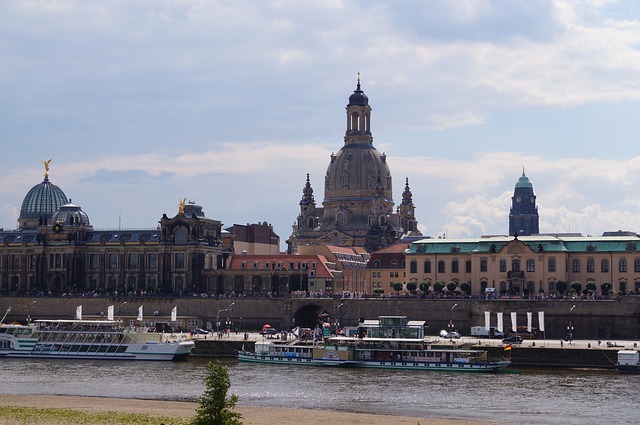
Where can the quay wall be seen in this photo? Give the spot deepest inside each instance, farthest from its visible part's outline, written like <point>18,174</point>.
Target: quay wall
<point>602,319</point>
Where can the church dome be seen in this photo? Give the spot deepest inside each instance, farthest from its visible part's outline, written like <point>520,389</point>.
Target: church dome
<point>41,202</point>
<point>358,98</point>
<point>70,215</point>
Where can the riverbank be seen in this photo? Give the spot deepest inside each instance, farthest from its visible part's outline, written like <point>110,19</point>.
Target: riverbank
<point>252,415</point>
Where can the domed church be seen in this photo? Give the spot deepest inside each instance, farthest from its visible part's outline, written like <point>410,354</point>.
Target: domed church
<point>358,208</point>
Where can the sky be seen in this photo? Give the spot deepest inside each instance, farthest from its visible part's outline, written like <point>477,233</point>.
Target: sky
<point>230,104</point>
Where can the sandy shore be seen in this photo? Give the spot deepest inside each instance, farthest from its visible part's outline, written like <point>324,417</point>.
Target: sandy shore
<point>252,415</point>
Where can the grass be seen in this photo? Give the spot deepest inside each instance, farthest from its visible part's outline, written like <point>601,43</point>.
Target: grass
<point>12,415</point>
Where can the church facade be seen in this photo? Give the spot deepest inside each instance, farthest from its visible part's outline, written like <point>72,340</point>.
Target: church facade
<point>358,208</point>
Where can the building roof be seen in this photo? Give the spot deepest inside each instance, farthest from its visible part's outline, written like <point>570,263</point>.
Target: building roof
<point>42,200</point>
<point>538,243</point>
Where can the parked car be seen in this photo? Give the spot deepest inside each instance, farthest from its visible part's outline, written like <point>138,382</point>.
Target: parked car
<point>268,331</point>
<point>450,335</point>
<point>199,331</point>
<point>514,339</point>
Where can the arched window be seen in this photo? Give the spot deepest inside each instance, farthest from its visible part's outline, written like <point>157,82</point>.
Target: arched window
<point>483,265</point>
<point>413,267</point>
<point>636,265</point>
<point>394,263</point>
<point>552,265</point>
<point>531,265</point>
<point>591,265</point>
<point>503,266</point>
<point>515,265</point>
<point>575,266</point>
<point>376,264</point>
<point>454,266</point>
<point>604,266</point>
<point>467,266</point>
<point>623,265</point>
<point>181,236</point>
<point>440,266</point>
<point>427,266</point>
<point>340,219</point>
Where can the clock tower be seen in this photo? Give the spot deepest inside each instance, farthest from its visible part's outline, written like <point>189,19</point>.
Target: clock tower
<point>523,217</point>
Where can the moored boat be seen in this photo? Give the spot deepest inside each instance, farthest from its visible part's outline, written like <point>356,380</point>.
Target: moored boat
<point>90,339</point>
<point>391,342</point>
<point>628,361</point>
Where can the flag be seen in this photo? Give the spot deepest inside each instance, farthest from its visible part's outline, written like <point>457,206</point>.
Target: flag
<point>514,325</point>
<point>174,314</point>
<point>529,321</point>
<point>110,312</point>
<point>500,323</point>
<point>541,321</point>
<point>507,347</point>
<point>487,320</point>
<point>139,318</point>
<point>79,312</point>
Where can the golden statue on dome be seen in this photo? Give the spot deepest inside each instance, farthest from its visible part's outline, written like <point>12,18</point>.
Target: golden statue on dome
<point>181,205</point>
<point>46,163</point>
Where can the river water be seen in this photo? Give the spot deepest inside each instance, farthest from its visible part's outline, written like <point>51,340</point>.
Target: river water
<point>532,396</point>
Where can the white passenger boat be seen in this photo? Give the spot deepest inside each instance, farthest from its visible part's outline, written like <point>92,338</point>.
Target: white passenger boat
<point>90,339</point>
<point>628,361</point>
<point>391,342</point>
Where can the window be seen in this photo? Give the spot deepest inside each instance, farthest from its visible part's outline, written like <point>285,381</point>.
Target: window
<point>515,265</point>
<point>636,265</point>
<point>467,266</point>
<point>394,264</point>
<point>255,265</point>
<point>133,261</point>
<point>113,261</point>
<point>503,266</point>
<point>413,266</point>
<point>623,265</point>
<point>591,265</point>
<point>181,236</point>
<point>376,264</point>
<point>94,261</point>
<point>427,266</point>
<point>552,287</point>
<point>531,265</point>
<point>552,266</point>
<point>152,261</point>
<point>454,266</point>
<point>604,266</point>
<point>483,265</point>
<point>15,261</point>
<point>151,283</point>
<point>179,258</point>
<point>575,267</point>
<point>440,266</point>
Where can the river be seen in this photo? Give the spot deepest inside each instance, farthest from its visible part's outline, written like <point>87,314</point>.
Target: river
<point>532,396</point>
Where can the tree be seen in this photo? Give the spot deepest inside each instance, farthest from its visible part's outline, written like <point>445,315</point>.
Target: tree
<point>606,287</point>
<point>451,286</point>
<point>412,286</point>
<point>215,408</point>
<point>438,286</point>
<point>465,287</point>
<point>591,286</point>
<point>397,286</point>
<point>561,286</point>
<point>424,287</point>
<point>576,286</point>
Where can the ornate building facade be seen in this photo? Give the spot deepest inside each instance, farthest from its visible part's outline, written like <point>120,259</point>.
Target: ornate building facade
<point>358,208</point>
<point>56,250</point>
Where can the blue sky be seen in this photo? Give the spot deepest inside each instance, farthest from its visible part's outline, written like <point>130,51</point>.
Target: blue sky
<point>231,103</point>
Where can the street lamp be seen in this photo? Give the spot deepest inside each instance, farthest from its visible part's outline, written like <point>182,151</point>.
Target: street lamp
<point>29,312</point>
<point>570,327</point>
<point>5,314</point>
<point>339,308</point>
<point>218,317</point>
<point>450,325</point>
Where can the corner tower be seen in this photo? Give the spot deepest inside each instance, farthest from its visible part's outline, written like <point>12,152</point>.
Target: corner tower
<point>523,217</point>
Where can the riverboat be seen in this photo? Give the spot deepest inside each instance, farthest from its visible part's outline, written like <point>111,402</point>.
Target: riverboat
<point>391,342</point>
<point>628,361</point>
<point>90,339</point>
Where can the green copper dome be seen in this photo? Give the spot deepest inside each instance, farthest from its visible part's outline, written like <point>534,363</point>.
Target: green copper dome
<point>524,181</point>
<point>41,202</point>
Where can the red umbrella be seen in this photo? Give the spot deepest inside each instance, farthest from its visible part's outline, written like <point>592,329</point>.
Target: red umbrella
<point>266,326</point>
